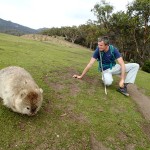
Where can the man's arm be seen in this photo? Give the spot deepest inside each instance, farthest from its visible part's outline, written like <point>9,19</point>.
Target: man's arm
<point>121,63</point>
<point>86,69</point>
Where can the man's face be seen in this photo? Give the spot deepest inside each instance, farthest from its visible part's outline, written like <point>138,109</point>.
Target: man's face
<point>102,46</point>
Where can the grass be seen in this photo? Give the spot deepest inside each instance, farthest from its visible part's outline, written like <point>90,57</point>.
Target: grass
<point>142,82</point>
<point>73,110</point>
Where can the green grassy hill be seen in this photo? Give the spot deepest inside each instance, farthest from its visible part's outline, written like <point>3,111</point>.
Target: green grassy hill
<point>76,114</point>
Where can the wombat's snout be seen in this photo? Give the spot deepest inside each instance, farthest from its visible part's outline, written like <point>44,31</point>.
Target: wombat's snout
<point>33,110</point>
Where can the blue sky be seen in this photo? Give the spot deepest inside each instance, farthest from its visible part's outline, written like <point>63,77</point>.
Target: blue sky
<point>52,13</point>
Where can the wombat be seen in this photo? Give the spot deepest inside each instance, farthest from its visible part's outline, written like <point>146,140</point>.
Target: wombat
<point>19,91</point>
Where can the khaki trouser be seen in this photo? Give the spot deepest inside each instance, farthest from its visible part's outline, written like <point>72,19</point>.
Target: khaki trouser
<point>131,70</point>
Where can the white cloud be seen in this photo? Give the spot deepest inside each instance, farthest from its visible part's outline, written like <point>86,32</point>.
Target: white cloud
<point>61,13</point>
<point>51,13</point>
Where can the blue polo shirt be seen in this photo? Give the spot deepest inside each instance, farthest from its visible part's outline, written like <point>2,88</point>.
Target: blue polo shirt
<point>107,57</point>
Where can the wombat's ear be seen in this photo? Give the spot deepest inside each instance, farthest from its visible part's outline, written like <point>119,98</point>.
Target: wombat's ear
<point>41,90</point>
<point>23,93</point>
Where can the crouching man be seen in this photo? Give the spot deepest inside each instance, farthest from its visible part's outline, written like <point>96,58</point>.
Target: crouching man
<point>107,55</point>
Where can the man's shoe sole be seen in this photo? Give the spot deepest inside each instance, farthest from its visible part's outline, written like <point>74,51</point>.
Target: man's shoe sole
<point>126,94</point>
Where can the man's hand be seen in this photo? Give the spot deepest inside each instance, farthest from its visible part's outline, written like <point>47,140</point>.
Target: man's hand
<point>77,76</point>
<point>121,83</point>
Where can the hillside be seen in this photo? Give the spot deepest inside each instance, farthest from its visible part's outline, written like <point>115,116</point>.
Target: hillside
<point>76,114</point>
<point>14,28</point>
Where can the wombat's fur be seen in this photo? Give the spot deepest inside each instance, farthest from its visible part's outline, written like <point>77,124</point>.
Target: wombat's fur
<point>19,91</point>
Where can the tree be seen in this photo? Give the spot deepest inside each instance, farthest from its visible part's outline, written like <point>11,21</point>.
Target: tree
<point>103,13</point>
<point>139,11</point>
<point>120,27</point>
<point>90,33</point>
<point>71,33</point>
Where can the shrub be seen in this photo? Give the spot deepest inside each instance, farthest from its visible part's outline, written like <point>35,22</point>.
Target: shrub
<point>146,66</point>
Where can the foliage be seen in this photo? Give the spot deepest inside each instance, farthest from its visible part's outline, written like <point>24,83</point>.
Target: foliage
<point>139,11</point>
<point>146,66</point>
<point>103,12</point>
<point>120,26</point>
<point>90,33</point>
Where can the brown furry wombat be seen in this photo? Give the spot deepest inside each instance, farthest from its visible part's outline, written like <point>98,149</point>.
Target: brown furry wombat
<point>19,91</point>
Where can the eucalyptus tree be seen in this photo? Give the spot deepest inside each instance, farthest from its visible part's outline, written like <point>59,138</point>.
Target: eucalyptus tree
<point>70,33</point>
<point>121,25</point>
<point>139,10</point>
<point>90,33</point>
<point>103,12</point>
<point>52,32</point>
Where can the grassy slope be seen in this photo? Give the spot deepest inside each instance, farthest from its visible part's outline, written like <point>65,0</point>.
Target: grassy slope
<point>72,110</point>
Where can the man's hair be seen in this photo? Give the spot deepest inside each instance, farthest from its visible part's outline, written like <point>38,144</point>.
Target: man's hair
<point>105,39</point>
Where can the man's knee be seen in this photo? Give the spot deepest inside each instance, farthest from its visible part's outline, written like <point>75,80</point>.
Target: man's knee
<point>108,82</point>
<point>108,79</point>
<point>135,65</point>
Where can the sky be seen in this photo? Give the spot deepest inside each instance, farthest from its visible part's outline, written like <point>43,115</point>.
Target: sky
<point>52,13</point>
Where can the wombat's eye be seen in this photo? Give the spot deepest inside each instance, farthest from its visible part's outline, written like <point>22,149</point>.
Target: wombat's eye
<point>28,108</point>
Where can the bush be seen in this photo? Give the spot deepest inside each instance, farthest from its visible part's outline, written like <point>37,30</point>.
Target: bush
<point>146,66</point>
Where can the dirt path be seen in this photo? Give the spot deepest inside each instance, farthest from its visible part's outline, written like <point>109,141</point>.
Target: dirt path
<point>142,101</point>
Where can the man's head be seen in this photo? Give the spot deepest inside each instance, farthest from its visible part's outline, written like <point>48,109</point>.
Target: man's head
<point>103,43</point>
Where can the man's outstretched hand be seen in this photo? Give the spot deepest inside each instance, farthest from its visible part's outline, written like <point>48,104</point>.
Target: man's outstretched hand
<point>77,76</point>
